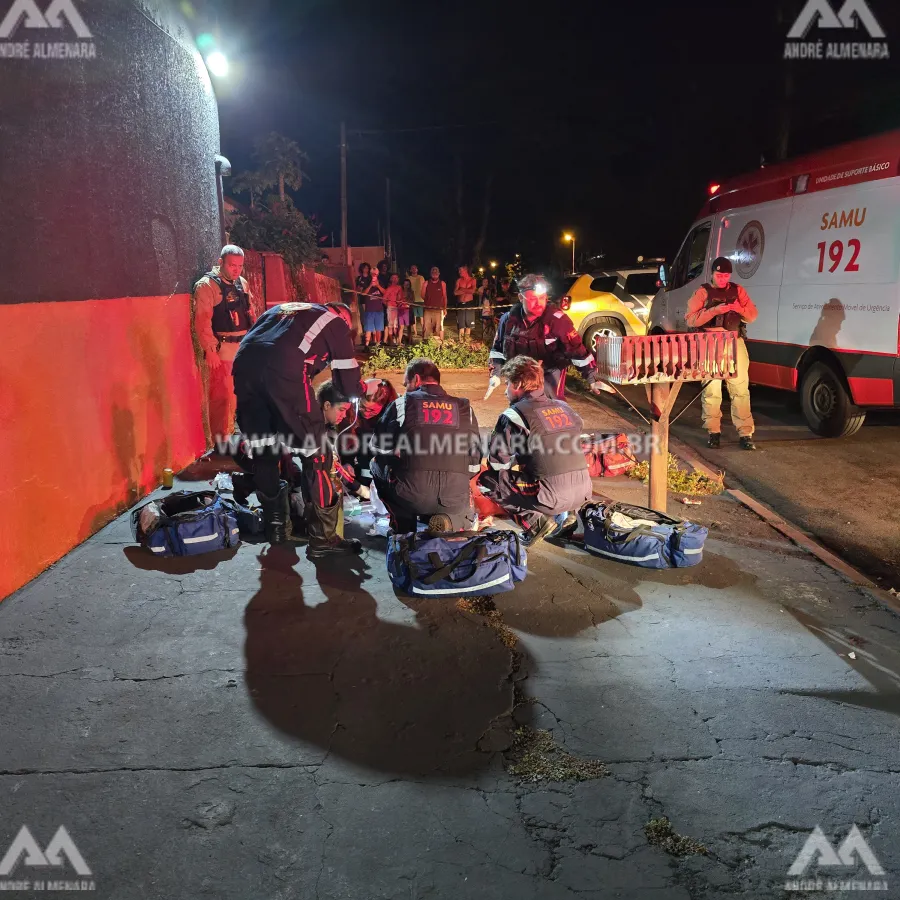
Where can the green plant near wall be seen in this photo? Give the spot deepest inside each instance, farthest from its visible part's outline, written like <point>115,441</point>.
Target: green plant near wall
<point>446,355</point>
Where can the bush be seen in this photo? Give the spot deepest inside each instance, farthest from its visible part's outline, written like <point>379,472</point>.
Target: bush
<point>446,355</point>
<point>680,481</point>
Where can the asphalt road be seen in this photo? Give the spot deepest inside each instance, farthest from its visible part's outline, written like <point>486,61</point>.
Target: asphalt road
<point>844,491</point>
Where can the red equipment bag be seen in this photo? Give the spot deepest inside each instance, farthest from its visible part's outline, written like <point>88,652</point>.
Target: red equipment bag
<point>608,455</point>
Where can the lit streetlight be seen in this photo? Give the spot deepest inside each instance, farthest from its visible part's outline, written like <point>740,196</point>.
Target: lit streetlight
<point>569,238</point>
<point>217,63</point>
<point>493,264</point>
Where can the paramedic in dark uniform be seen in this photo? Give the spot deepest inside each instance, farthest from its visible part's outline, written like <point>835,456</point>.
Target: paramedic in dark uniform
<point>724,306</point>
<point>534,328</point>
<point>278,413</point>
<point>222,316</point>
<point>428,448</point>
<point>536,467</point>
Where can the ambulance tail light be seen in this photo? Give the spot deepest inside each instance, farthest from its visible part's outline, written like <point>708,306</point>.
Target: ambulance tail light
<point>565,303</point>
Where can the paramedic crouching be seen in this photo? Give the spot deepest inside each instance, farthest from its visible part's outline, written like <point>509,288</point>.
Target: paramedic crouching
<point>278,413</point>
<point>427,450</point>
<point>723,306</point>
<point>537,468</point>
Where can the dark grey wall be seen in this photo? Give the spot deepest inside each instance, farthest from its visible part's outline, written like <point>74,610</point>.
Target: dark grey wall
<point>107,165</point>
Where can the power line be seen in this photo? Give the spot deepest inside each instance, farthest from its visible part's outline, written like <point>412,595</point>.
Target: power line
<point>426,127</point>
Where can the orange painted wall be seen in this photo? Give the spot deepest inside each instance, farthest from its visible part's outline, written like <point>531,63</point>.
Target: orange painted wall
<point>97,397</point>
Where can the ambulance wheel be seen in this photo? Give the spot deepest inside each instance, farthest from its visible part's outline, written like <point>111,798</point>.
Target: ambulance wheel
<point>602,328</point>
<point>827,406</point>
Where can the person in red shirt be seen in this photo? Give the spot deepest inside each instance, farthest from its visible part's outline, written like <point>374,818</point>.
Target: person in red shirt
<point>434,299</point>
<point>465,296</point>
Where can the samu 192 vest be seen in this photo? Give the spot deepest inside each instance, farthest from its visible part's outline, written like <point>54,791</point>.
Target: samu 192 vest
<point>554,430</point>
<point>436,426</point>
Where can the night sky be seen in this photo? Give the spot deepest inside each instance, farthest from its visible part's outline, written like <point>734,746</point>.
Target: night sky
<point>607,119</point>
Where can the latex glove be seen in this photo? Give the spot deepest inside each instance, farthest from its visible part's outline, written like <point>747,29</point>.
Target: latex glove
<point>493,384</point>
<point>364,493</point>
<point>601,387</point>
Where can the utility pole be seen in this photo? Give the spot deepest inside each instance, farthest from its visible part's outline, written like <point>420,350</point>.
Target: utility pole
<point>389,247</point>
<point>345,249</point>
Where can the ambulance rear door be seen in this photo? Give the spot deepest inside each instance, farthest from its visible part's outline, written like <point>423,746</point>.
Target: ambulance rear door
<point>840,279</point>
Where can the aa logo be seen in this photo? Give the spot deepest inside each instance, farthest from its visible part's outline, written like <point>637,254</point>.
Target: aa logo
<point>820,13</point>
<point>61,845</point>
<point>818,851</point>
<point>34,18</point>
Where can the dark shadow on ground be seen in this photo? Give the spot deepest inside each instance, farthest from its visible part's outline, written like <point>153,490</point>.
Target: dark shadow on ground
<point>405,697</point>
<point>144,559</point>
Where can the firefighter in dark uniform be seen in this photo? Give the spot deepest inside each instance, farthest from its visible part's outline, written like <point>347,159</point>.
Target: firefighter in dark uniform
<point>222,316</point>
<point>278,413</point>
<point>536,467</point>
<point>428,448</point>
<point>533,328</point>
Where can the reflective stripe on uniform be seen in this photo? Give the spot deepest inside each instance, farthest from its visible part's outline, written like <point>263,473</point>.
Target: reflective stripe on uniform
<point>263,442</point>
<point>500,467</point>
<point>400,406</point>
<point>558,315</point>
<point>583,362</point>
<point>314,330</point>
<point>475,469</point>
<point>549,340</point>
<point>495,354</point>
<point>344,364</point>
<point>516,419</point>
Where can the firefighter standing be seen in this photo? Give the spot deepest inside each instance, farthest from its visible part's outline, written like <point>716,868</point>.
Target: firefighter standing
<point>222,316</point>
<point>277,412</point>
<point>428,450</point>
<point>537,469</point>
<point>724,306</point>
<point>535,329</point>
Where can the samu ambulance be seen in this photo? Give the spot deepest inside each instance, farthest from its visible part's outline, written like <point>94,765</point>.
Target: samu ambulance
<point>816,243</point>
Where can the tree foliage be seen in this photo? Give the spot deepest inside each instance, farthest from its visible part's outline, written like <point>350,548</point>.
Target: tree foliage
<point>280,228</point>
<point>281,162</point>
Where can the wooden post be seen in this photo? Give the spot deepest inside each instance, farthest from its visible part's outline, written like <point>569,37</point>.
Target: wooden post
<point>662,398</point>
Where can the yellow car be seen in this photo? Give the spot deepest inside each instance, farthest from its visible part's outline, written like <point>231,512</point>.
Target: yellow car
<point>605,304</point>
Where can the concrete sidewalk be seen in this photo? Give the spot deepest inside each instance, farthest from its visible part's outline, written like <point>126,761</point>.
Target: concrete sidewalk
<point>246,725</point>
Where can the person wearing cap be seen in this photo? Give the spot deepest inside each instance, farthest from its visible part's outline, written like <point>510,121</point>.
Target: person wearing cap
<point>725,306</point>
<point>534,328</point>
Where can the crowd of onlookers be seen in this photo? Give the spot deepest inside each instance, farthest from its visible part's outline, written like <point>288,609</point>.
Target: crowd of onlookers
<point>393,307</point>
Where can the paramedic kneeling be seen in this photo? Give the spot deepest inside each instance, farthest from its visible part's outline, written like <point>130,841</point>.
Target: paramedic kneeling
<point>537,468</point>
<point>427,449</point>
<point>723,306</point>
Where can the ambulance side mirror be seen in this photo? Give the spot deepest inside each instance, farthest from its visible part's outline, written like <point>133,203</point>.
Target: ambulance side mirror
<point>664,276</point>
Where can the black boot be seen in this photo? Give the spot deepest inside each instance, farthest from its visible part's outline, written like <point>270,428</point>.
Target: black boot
<point>276,514</point>
<point>243,487</point>
<point>321,523</point>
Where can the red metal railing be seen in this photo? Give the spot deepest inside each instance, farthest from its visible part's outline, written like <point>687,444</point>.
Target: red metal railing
<point>695,356</point>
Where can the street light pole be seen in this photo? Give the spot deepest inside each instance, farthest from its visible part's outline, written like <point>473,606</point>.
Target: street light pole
<point>569,238</point>
<point>345,249</point>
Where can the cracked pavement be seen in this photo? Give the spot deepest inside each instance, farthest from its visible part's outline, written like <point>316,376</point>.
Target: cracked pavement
<point>246,725</point>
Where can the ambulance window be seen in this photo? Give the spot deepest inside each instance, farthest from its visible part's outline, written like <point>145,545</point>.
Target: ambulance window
<point>692,258</point>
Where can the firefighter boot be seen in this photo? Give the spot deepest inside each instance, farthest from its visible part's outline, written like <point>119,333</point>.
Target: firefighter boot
<point>243,487</point>
<point>276,514</point>
<point>324,541</point>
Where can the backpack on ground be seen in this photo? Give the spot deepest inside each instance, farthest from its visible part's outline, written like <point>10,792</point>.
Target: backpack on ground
<point>608,455</point>
<point>186,523</point>
<point>456,564</point>
<point>641,536</point>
